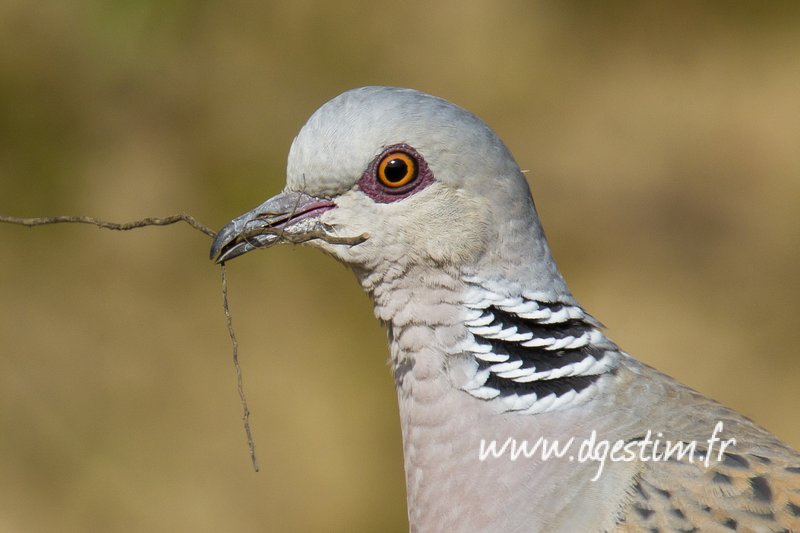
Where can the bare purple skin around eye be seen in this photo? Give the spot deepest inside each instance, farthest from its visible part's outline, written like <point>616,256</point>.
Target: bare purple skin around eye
<point>382,194</point>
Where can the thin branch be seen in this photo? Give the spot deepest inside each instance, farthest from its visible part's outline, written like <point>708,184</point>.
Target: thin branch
<point>239,382</point>
<point>155,221</point>
<point>150,221</point>
<point>298,238</point>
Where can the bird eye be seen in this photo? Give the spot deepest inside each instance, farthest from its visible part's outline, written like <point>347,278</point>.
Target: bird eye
<point>395,173</point>
<point>396,169</point>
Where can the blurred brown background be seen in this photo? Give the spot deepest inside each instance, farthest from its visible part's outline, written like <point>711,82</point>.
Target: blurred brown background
<point>663,144</point>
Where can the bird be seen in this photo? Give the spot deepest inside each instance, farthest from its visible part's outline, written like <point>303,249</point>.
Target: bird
<point>518,412</point>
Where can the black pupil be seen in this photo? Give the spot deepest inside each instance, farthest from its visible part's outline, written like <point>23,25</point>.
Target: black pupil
<point>396,170</point>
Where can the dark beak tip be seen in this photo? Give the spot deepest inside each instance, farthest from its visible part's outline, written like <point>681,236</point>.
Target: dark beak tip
<point>221,239</point>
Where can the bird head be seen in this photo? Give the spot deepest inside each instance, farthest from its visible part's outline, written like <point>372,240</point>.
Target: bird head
<point>382,176</point>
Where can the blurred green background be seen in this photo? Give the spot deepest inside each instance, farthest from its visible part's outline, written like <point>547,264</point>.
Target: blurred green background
<point>663,141</point>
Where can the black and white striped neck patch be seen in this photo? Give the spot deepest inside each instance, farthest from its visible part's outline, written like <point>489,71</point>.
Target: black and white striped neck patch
<point>536,356</point>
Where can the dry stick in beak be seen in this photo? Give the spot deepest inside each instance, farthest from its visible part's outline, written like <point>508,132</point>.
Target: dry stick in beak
<point>150,221</point>
<point>251,446</point>
<point>298,238</point>
<point>157,221</point>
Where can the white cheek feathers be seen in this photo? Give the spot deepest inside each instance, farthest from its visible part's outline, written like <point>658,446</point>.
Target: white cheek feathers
<point>445,225</point>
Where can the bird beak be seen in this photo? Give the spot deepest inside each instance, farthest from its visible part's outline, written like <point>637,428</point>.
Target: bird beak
<point>278,219</point>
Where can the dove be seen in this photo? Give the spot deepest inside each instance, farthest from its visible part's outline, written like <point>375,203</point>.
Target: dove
<point>494,360</point>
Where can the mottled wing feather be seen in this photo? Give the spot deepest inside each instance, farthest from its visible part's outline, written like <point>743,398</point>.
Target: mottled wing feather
<point>756,488</point>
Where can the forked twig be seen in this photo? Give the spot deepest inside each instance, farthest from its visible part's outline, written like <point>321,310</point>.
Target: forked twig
<point>156,221</point>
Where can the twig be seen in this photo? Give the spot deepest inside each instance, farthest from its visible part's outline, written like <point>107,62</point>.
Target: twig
<point>239,383</point>
<point>150,221</point>
<point>155,221</point>
<point>297,238</point>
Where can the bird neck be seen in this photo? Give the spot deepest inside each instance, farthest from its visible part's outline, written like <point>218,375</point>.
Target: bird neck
<point>512,349</point>
<point>473,364</point>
